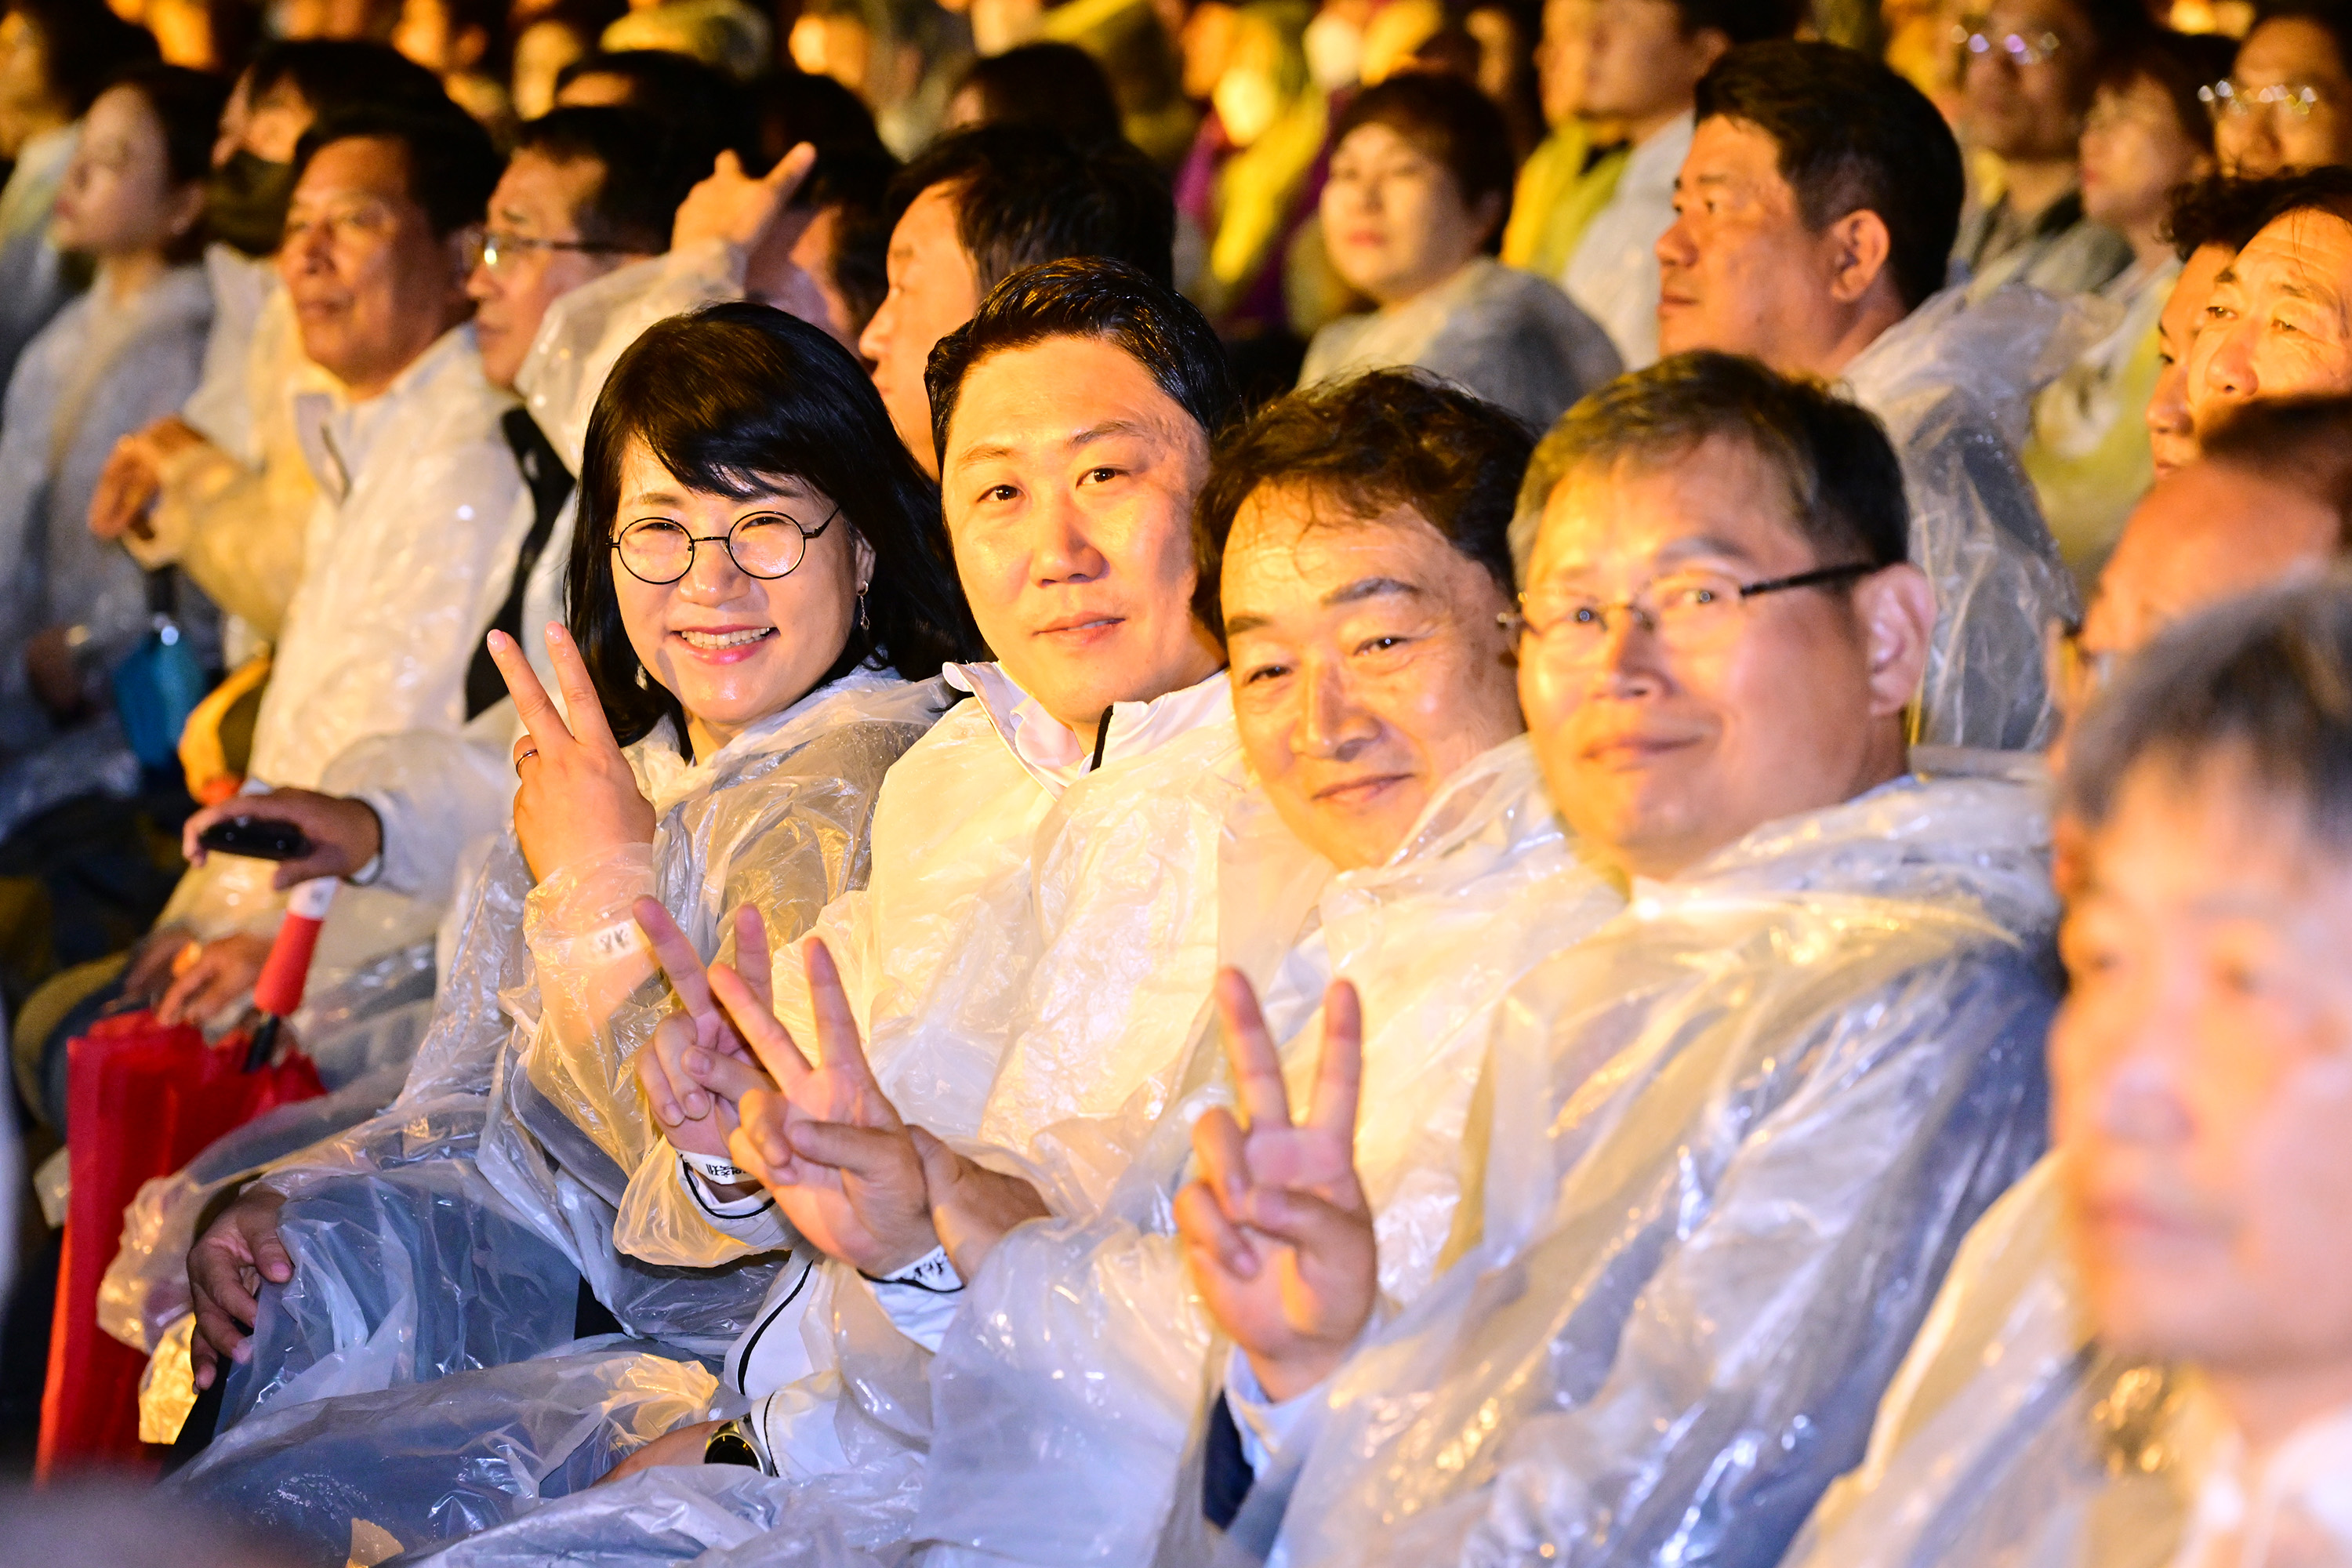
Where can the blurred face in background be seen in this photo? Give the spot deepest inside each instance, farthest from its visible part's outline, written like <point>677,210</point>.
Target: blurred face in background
<point>1640,67</point>
<point>540,52</point>
<point>2026,78</point>
<point>2290,102</point>
<point>2202,1069</point>
<point>1563,58</point>
<point>934,289</point>
<point>29,102</point>
<point>119,197</point>
<point>534,211</point>
<point>2134,152</point>
<point>2171,428</point>
<point>1393,216</point>
<point>1366,663</point>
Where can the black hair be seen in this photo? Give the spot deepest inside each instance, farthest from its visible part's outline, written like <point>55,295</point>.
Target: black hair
<point>1854,136</point>
<point>1382,439</point>
<point>2265,679</point>
<point>1450,122</point>
<point>1024,194</point>
<point>1090,297</point>
<point>645,179</point>
<point>338,75</point>
<point>187,105</point>
<point>2302,443</point>
<point>854,181</point>
<point>2115,25</point>
<point>2326,189</point>
<point>729,396</point>
<point>1845,484</point>
<point>1743,21</point>
<point>2217,210</point>
<point>452,167</point>
<point>83,43</point>
<point>2181,65</point>
<point>1056,85</point>
<point>703,107</point>
<point>794,105</point>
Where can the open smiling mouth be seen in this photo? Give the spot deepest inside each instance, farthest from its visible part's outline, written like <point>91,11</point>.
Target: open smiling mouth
<point>727,639</point>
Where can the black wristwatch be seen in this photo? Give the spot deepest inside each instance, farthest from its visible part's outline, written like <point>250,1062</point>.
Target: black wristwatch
<point>728,1446</point>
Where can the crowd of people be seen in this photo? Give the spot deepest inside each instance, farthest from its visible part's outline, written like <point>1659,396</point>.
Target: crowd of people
<point>1453,782</point>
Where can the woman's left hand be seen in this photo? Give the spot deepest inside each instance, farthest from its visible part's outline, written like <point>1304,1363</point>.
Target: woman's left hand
<point>578,797</point>
<point>225,969</point>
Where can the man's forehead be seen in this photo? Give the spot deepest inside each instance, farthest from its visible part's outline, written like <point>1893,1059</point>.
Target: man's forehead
<point>1717,499</point>
<point>1048,397</point>
<point>1297,530</point>
<point>356,165</point>
<point>2307,248</point>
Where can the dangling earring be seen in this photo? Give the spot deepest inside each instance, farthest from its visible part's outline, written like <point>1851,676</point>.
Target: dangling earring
<point>641,678</point>
<point>863,625</point>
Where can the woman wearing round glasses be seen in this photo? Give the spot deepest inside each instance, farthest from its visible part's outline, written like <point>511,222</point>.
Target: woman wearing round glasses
<point>758,609</point>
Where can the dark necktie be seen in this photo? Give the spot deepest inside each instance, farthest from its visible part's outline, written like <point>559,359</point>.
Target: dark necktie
<point>550,483</point>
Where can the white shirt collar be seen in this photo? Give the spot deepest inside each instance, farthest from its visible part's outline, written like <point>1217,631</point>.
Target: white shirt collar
<point>1057,756</point>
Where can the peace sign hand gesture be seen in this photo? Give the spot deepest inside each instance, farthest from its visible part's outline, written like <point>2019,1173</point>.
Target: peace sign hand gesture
<point>697,1069</point>
<point>578,797</point>
<point>828,1142</point>
<point>1276,1228</point>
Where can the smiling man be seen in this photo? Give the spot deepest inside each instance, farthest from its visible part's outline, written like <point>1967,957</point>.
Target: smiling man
<point>1735,1131</point>
<point>1813,216</point>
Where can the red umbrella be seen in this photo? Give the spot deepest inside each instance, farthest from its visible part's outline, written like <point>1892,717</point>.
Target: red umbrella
<point>141,1101</point>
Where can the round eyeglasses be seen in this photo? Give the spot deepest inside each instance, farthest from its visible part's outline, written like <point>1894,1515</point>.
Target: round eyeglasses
<point>2016,47</point>
<point>2233,101</point>
<point>763,544</point>
<point>1687,612</point>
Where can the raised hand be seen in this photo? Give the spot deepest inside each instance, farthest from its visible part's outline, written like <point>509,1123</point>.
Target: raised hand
<point>578,797</point>
<point>971,1206</point>
<point>1276,1228</point>
<point>730,205</point>
<point>697,1068</point>
<point>828,1142</point>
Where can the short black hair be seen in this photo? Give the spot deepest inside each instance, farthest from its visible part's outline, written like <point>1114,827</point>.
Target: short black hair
<point>1854,136</point>
<point>336,74</point>
<point>1743,21</point>
<point>2302,443</point>
<point>645,179</point>
<point>724,397</point>
<point>2181,65</point>
<point>1452,121</point>
<point>855,183</point>
<point>452,167</point>
<point>1382,439</point>
<point>1090,297</point>
<point>83,43</point>
<point>1056,85</point>
<point>2216,210</point>
<point>2265,681</point>
<point>1845,483</point>
<point>794,105</point>
<point>1026,194</point>
<point>187,104</point>
<point>705,109</point>
<point>2326,189</point>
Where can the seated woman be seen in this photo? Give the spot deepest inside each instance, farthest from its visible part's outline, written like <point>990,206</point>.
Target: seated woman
<point>1420,185</point>
<point>752,579</point>
<point>133,346</point>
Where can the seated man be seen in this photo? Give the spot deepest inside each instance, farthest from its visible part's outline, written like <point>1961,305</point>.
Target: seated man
<point>2279,321</point>
<point>1984,1436</point>
<point>2208,223</point>
<point>1815,212</point>
<point>1735,1132</point>
<point>417,495</point>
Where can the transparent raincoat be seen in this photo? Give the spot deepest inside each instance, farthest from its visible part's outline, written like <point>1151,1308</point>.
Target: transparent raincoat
<point>1063,1396</point>
<point>1953,382</point>
<point>2010,1435</point>
<point>1029,959</point>
<point>1736,1136</point>
<point>454,1230</point>
<point>1513,339</point>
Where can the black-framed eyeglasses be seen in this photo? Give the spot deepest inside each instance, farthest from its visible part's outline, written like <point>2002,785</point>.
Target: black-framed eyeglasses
<point>1686,611</point>
<point>763,544</point>
<point>499,251</point>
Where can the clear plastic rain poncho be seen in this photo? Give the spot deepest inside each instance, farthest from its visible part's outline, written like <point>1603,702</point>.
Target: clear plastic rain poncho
<point>98,371</point>
<point>454,1230</point>
<point>2010,1435</point>
<point>1736,1136</point>
<point>1512,338</point>
<point>1063,1395</point>
<point>1031,954</point>
<point>1953,383</point>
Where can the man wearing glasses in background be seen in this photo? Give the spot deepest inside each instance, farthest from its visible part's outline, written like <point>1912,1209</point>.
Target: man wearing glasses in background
<point>2288,102</point>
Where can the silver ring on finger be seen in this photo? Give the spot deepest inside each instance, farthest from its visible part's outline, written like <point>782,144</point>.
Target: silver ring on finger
<point>525,757</point>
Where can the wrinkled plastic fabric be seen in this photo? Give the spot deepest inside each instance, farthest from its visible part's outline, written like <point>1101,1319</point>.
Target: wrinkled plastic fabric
<point>1511,338</point>
<point>2008,1434</point>
<point>1066,1391</point>
<point>1953,382</point>
<point>1736,1136</point>
<point>408,1467</point>
<point>476,1172</point>
<point>94,373</point>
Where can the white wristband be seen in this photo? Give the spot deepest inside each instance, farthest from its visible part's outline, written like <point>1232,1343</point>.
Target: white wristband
<point>717,1171</point>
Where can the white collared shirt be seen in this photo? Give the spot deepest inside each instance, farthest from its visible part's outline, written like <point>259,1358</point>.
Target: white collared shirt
<point>1057,756</point>
<point>1613,274</point>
